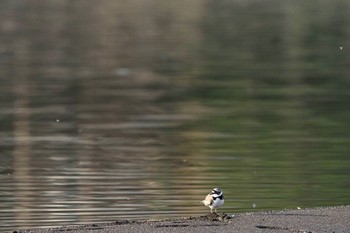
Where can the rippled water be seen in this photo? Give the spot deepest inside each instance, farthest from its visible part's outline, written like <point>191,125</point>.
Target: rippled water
<point>137,109</point>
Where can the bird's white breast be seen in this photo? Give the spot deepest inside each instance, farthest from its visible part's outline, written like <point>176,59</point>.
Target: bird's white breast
<point>217,203</point>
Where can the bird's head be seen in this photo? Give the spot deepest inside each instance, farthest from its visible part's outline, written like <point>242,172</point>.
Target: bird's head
<point>216,192</point>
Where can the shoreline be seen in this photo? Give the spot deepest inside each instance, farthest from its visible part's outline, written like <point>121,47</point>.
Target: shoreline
<point>311,220</point>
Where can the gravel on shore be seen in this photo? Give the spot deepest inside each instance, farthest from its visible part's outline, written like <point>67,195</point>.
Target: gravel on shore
<point>315,220</point>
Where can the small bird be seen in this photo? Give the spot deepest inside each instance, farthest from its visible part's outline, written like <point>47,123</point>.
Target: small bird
<point>214,200</point>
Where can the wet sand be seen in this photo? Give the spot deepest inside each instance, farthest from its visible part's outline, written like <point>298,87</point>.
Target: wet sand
<point>316,220</point>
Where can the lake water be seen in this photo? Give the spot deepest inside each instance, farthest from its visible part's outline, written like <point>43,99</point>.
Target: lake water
<point>137,109</point>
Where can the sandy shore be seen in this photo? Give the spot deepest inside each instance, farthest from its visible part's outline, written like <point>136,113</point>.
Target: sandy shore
<point>329,219</point>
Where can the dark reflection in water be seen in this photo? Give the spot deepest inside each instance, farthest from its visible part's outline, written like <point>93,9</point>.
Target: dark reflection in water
<point>136,109</point>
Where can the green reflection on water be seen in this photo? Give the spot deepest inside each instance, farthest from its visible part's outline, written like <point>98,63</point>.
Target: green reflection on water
<point>276,103</point>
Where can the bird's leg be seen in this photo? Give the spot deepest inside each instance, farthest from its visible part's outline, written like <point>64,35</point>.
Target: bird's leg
<point>211,210</point>
<point>215,210</point>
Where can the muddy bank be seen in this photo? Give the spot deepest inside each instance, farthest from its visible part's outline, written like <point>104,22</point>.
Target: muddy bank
<point>328,219</point>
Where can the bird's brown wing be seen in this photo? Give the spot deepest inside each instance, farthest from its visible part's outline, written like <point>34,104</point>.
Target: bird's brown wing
<point>208,200</point>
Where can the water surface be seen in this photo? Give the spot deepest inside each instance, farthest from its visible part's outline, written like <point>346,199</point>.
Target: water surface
<point>137,109</point>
